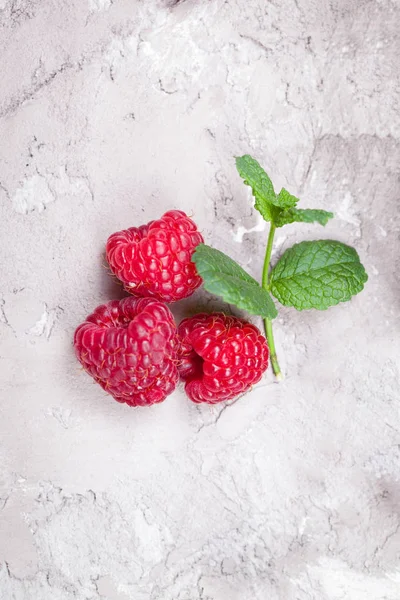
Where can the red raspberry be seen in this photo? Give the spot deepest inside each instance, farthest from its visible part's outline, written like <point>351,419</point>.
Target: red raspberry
<point>130,348</point>
<point>220,357</point>
<point>155,259</point>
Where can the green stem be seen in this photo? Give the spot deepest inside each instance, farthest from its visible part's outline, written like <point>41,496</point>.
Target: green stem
<point>267,322</point>
<point>271,343</point>
<point>265,278</point>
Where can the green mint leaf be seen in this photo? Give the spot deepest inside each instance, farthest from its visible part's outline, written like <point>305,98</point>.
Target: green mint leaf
<point>267,210</point>
<point>285,200</point>
<point>223,277</point>
<point>266,201</point>
<point>261,185</point>
<point>255,176</point>
<point>317,275</point>
<point>302,215</point>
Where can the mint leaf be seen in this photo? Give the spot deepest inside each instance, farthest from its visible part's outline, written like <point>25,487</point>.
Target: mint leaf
<point>261,185</point>
<point>302,215</point>
<point>225,278</point>
<point>255,176</point>
<point>317,275</point>
<point>285,200</point>
<point>267,210</point>
<point>267,202</point>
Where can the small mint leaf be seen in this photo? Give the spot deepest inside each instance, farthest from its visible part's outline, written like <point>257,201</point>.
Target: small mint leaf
<point>255,176</point>
<point>302,215</point>
<point>267,203</point>
<point>317,275</point>
<point>261,185</point>
<point>285,200</point>
<point>266,210</point>
<point>223,277</point>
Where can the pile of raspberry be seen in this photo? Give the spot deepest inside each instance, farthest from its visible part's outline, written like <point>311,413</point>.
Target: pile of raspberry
<point>132,347</point>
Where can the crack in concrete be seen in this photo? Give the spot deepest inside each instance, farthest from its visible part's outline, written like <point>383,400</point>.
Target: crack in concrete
<point>256,42</point>
<point>15,103</point>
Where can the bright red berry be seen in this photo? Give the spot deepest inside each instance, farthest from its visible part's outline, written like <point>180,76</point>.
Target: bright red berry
<point>155,259</point>
<point>130,348</point>
<point>220,356</point>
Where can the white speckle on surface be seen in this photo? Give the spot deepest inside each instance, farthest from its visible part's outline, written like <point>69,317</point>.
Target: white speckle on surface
<point>63,416</point>
<point>44,326</point>
<point>347,210</point>
<point>382,231</point>
<point>100,4</point>
<point>302,525</point>
<point>242,231</point>
<point>292,492</point>
<point>386,463</point>
<point>335,579</point>
<point>34,194</point>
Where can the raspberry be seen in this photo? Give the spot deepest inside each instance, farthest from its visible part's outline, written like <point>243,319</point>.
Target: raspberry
<point>130,348</point>
<point>220,357</point>
<point>155,259</point>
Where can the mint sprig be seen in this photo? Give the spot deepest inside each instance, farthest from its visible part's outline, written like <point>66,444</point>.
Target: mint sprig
<point>316,274</point>
<point>277,209</point>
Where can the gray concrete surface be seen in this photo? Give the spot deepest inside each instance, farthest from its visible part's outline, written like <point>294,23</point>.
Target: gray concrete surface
<point>112,111</point>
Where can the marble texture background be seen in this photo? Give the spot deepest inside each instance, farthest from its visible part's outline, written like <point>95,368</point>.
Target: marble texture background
<point>112,111</point>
